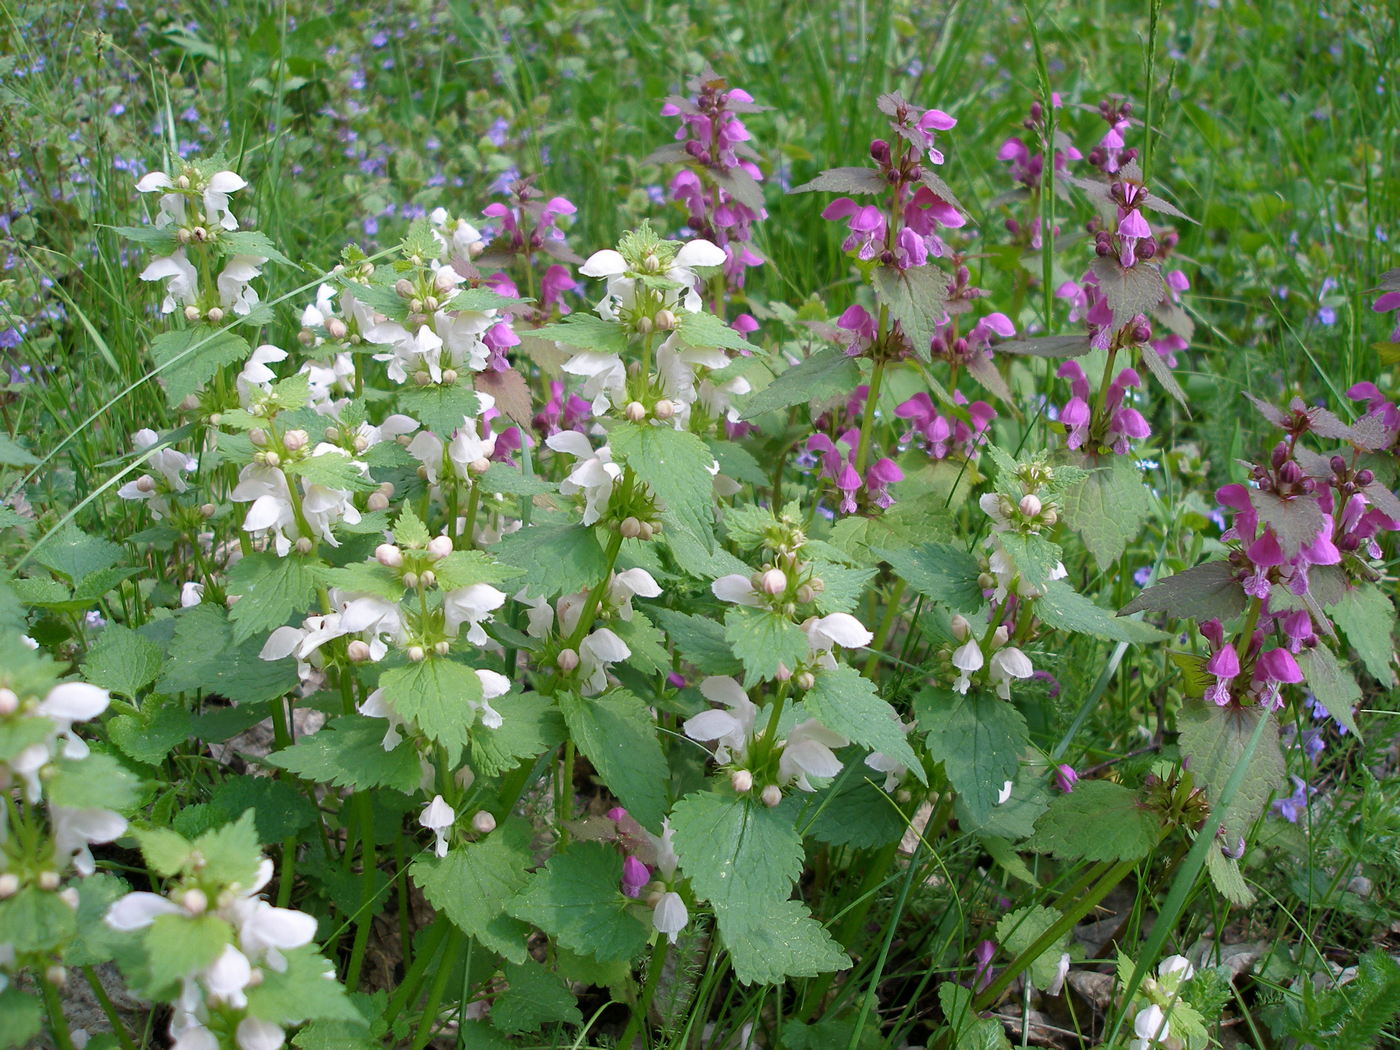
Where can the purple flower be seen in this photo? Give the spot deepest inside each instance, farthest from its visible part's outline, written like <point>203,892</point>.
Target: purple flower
<point>1296,804</point>
<point>1065,778</point>
<point>635,875</point>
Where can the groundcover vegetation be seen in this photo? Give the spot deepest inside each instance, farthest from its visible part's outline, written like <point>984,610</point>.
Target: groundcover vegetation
<point>803,526</point>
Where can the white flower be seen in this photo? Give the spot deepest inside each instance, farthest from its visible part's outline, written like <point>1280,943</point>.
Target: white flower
<point>737,589</point>
<point>182,288</point>
<point>622,289</point>
<point>256,376</point>
<point>676,364</point>
<point>837,629</point>
<point>670,915</point>
<point>493,684</point>
<point>136,911</point>
<point>227,977</point>
<point>808,752</point>
<point>471,605</point>
<point>628,584</point>
<point>375,706</point>
<point>595,653</point>
<point>271,511</point>
<point>437,817</point>
<point>1006,664</point>
<point>1176,964</point>
<point>1061,972</point>
<point>605,377</point>
<point>256,1034</point>
<point>457,237</point>
<point>1004,795</point>
<point>76,829</point>
<point>216,192</point>
<point>234,290</point>
<point>967,658</point>
<point>893,769</point>
<point>733,728</point>
<point>191,593</point>
<point>1151,1025</point>
<point>594,473</point>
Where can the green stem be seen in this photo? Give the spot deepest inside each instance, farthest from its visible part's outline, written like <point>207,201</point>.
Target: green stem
<point>886,625</point>
<point>436,990</point>
<point>407,992</point>
<point>1058,929</point>
<point>467,534</point>
<point>364,915</point>
<point>594,601</point>
<point>867,424</point>
<point>105,1001</point>
<point>642,1006</point>
<point>564,801</point>
<point>891,925</point>
<point>58,1024</point>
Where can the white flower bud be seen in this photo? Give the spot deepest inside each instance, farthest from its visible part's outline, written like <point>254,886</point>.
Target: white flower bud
<point>9,702</point>
<point>182,235</point>
<point>306,337</point>
<point>207,510</point>
<point>960,627</point>
<point>194,901</point>
<point>56,975</point>
<point>199,234</point>
<point>567,660</point>
<point>388,555</point>
<point>215,315</point>
<point>449,376</point>
<point>48,880</point>
<point>360,443</point>
<point>666,320</point>
<point>440,546</point>
<point>805,680</point>
<point>652,262</point>
<point>773,582</point>
<point>630,528</point>
<point>145,483</point>
<point>404,287</point>
<point>258,437</point>
<point>416,653</point>
<point>806,593</point>
<point>377,501</point>
<point>431,304</point>
<point>410,580</point>
<point>1030,505</point>
<point>1049,516</point>
<point>272,459</point>
<point>304,545</point>
<point>782,673</point>
<point>1000,636</point>
<point>422,379</point>
<point>741,780</point>
<point>295,440</point>
<point>443,647</point>
<point>664,409</point>
<point>644,325</point>
<point>478,466</point>
<point>635,411</point>
<point>772,795</point>
<point>336,328</point>
<point>9,885</point>
<point>483,823</point>
<point>192,314</point>
<point>358,651</point>
<point>648,531</point>
<point>427,579</point>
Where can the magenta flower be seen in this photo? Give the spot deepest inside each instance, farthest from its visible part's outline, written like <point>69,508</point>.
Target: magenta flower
<point>635,875</point>
<point>866,224</point>
<point>857,321</point>
<point>1075,415</point>
<point>879,477</point>
<point>1065,778</point>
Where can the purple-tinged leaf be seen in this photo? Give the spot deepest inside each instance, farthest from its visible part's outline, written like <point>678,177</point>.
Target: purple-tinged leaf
<point>1207,592</point>
<point>1296,521</point>
<point>917,299</point>
<point>845,180</point>
<point>1131,292</point>
<point>1163,374</point>
<point>1055,346</point>
<point>742,187</point>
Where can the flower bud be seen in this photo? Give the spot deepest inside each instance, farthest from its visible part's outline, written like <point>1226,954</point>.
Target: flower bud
<point>9,885</point>
<point>304,545</point>
<point>440,546</point>
<point>258,437</point>
<point>1030,505</point>
<point>9,702</point>
<point>1049,516</point>
<point>404,288</point>
<point>1364,477</point>
<point>377,501</point>
<point>215,315</point>
<point>337,329</point>
<point>648,531</point>
<point>69,896</point>
<point>191,314</point>
<point>652,262</point>
<point>664,409</point>
<point>644,325</point>
<point>194,901</point>
<point>666,320</point>
<point>388,555</point>
<point>1000,636</point>
<point>782,673</point>
<point>635,411</point>
<point>567,660</point>
<point>295,440</point>
<point>422,379</point>
<point>416,653</point>
<point>48,880</point>
<point>182,235</point>
<point>199,234</point>
<point>960,627</point>
<point>630,528</point>
<point>430,304</point>
<point>478,466</point>
<point>806,593</point>
<point>410,580</point>
<point>483,823</point>
<point>805,680</point>
<point>145,483</point>
<point>1290,473</point>
<point>358,651</point>
<point>773,582</point>
<point>443,647</point>
<point>427,579</point>
<point>449,376</point>
<point>741,780</point>
<point>272,459</point>
<point>56,975</point>
<point>772,795</point>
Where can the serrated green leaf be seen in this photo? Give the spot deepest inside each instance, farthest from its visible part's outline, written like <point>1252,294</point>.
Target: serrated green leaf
<point>465,568</point>
<point>501,478</point>
<point>180,945</point>
<point>409,531</point>
<point>647,643</point>
<point>586,331</point>
<point>706,330</point>
<point>941,573</point>
<point>35,920</point>
<point>98,781</point>
<point>1208,591</point>
<point>279,810</point>
<point>1063,607</point>
<point>577,899</point>
<point>203,656</point>
<point>1019,929</point>
<point>333,469</point>
<point>442,409</point>
<point>1228,880</point>
<point>96,942</point>
<point>842,587</point>
<point>71,552</point>
<point>763,640</point>
<point>531,725</point>
<point>778,940</point>
<point>979,740</point>
<point>737,462</point>
<point>12,455</point>
<point>616,732</point>
<point>161,240</point>
<point>303,989</point>
<point>533,997</point>
<point>165,851</point>
<point>917,298</point>
<point>1108,509</point>
<point>825,374</point>
<point>270,590</point>
<point>1096,821</point>
<point>737,855</point>
<point>122,661</point>
<point>1332,684</point>
<point>187,358</point>
<point>1213,740</point>
<point>700,640</point>
<point>438,695</point>
<point>845,701</point>
<point>1367,618</point>
<point>675,465</point>
<point>1036,558</point>
<point>556,559</point>
<point>362,577</point>
<point>474,883</point>
<point>854,813</point>
<point>230,852</point>
<point>349,752</point>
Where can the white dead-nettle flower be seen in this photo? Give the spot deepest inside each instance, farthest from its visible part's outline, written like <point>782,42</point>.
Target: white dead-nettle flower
<point>410,353</point>
<point>63,705</point>
<point>168,466</point>
<point>1004,795</point>
<point>256,375</point>
<point>669,915</point>
<point>731,730</point>
<point>473,606</point>
<point>76,829</point>
<point>808,752</point>
<point>593,474</point>
<point>622,289</point>
<point>595,653</point>
<point>182,281</point>
<point>968,659</point>
<point>1003,566</point>
<point>437,817</point>
<point>493,685</point>
<point>235,291</point>
<point>835,630</point>
<point>191,593</point>
<point>893,769</point>
<point>271,512</point>
<point>737,589</point>
<point>1008,663</point>
<point>604,378</point>
<point>676,365</point>
<point>628,584</point>
<point>457,237</point>
<point>172,207</point>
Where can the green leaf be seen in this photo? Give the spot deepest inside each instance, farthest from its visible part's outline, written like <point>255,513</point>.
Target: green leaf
<point>1036,558</point>
<point>35,920</point>
<point>436,694</point>
<point>333,469</point>
<point>577,900</point>
<point>1207,592</point>
<point>203,656</point>
<point>1367,618</point>
<point>188,358</point>
<point>13,455</point>
<point>349,753</point>
<point>970,1031</point>
<point>778,940</point>
<point>474,884</point>
<point>71,552</point>
<point>917,298</point>
<point>501,478</point>
<point>531,726</point>
<point>465,568</point>
<point>1132,291</point>
<point>941,573</point>
<point>1096,821</point>
<point>843,588</point>
<point>1063,607</point>
<point>703,330</point>
<point>737,462</point>
<point>851,813</point>
<point>230,853</point>
<point>160,240</point>
<point>1019,929</point>
<point>647,643</point>
<point>98,781</point>
<point>361,577</point>
<point>556,559</point>
<point>762,640</point>
<point>845,701</point>
<point>251,242</point>
<point>165,851</point>
<point>96,942</point>
<point>1213,740</point>
<point>305,989</point>
<point>122,661</point>
<point>442,409</point>
<point>409,531</point>
<point>586,331</point>
<point>279,810</point>
<point>700,640</point>
<point>1332,684</point>
<point>533,997</point>
<point>271,590</point>
<point>21,1017</point>
<point>825,374</point>
<point>1229,881</point>
<point>180,945</point>
<point>736,855</point>
<point>979,740</point>
<point>1108,509</point>
<point>615,731</point>
<point>675,464</point>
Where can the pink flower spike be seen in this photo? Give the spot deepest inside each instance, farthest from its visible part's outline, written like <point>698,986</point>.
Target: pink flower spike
<point>1224,662</point>
<point>1278,665</point>
<point>1265,551</point>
